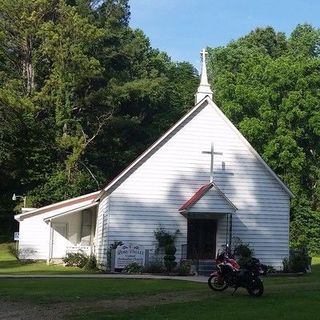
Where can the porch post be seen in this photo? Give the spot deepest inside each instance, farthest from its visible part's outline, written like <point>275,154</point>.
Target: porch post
<point>50,243</point>
<point>230,231</point>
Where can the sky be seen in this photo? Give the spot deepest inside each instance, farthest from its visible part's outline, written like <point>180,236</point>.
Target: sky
<point>183,27</point>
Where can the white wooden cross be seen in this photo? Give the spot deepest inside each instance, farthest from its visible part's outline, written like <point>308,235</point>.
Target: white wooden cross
<point>212,153</point>
<point>223,165</point>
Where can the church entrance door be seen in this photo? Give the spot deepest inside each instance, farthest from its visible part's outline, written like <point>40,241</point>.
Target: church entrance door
<point>201,239</point>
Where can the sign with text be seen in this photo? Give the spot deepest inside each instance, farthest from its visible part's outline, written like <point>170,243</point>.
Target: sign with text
<point>128,253</point>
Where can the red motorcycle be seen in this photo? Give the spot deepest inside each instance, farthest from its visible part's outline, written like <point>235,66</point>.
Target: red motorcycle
<point>230,274</point>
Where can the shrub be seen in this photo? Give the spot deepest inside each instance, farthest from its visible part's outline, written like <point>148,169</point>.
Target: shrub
<point>22,255</point>
<point>243,252</point>
<point>184,267</point>
<point>169,258</point>
<point>91,264</point>
<point>75,259</point>
<point>285,264</point>
<point>154,267</point>
<point>298,260</point>
<point>14,251</point>
<point>164,237</point>
<point>133,267</point>
<point>270,269</point>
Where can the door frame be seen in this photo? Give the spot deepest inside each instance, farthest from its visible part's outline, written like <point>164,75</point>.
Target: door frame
<point>200,256</point>
<point>66,224</point>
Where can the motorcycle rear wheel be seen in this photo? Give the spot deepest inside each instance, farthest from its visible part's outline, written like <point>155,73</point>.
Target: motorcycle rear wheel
<point>216,284</point>
<point>256,288</point>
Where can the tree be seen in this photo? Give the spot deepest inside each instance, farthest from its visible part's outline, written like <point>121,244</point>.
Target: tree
<point>81,95</point>
<point>268,85</point>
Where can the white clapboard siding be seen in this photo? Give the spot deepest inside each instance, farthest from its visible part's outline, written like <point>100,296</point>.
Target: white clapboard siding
<point>101,231</point>
<point>155,190</point>
<point>35,233</point>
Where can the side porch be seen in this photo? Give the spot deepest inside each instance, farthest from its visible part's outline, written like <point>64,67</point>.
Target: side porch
<point>72,231</point>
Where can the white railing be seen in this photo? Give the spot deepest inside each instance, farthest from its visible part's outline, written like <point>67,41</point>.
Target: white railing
<point>76,249</point>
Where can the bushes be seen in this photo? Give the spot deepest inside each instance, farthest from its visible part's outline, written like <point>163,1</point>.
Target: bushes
<point>80,260</point>
<point>14,251</point>
<point>22,255</point>
<point>305,230</point>
<point>242,251</point>
<point>298,261</point>
<point>133,267</point>
<point>169,258</point>
<point>166,242</point>
<point>154,267</point>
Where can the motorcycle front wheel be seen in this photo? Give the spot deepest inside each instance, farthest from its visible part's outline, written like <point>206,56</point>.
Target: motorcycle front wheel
<point>256,288</point>
<point>217,284</point>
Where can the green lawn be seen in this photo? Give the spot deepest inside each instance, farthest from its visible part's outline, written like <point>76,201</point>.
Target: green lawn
<point>284,298</point>
<point>293,298</point>
<point>9,265</point>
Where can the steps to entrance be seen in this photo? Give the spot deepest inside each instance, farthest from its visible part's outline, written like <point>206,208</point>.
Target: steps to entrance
<point>205,267</point>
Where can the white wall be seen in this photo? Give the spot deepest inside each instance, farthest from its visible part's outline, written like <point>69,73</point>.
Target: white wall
<point>153,194</point>
<point>101,239</point>
<point>35,232</point>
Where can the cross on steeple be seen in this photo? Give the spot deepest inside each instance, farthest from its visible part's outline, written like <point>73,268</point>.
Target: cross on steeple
<point>204,87</point>
<point>212,153</point>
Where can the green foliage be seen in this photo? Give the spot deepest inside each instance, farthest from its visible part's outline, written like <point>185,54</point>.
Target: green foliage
<point>169,258</point>
<point>76,259</point>
<point>267,85</point>
<point>91,264</point>
<point>165,238</point>
<point>166,243</point>
<point>285,265</point>
<point>242,251</point>
<point>184,267</point>
<point>298,261</point>
<point>305,230</point>
<point>14,251</point>
<point>154,267</point>
<point>133,267</point>
<point>81,95</point>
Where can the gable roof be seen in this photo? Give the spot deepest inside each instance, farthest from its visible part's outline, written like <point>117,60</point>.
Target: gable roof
<point>74,202</point>
<point>201,192</point>
<point>149,152</point>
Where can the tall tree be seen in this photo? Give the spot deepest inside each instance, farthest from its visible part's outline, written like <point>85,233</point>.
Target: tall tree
<point>269,86</point>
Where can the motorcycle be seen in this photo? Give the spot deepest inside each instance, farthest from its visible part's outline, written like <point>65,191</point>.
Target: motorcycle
<point>230,274</point>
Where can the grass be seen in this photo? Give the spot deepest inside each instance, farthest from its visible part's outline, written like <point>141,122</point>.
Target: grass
<point>50,290</point>
<point>9,265</point>
<point>293,298</point>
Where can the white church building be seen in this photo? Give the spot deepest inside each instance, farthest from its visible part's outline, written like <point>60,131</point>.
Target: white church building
<point>202,177</point>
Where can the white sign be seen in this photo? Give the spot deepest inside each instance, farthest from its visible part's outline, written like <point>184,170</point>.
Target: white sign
<point>16,236</point>
<point>128,253</point>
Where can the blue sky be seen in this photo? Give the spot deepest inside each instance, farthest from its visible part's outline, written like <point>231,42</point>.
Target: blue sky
<point>183,27</point>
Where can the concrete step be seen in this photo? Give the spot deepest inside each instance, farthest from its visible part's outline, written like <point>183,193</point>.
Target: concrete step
<point>205,267</point>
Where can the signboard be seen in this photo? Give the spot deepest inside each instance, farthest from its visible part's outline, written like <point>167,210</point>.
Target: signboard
<point>16,236</point>
<point>128,253</point>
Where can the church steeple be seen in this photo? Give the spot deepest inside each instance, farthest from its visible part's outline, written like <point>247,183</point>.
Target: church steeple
<point>204,87</point>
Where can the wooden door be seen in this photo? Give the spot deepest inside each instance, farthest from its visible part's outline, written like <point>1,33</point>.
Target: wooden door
<point>59,239</point>
<point>201,239</point>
